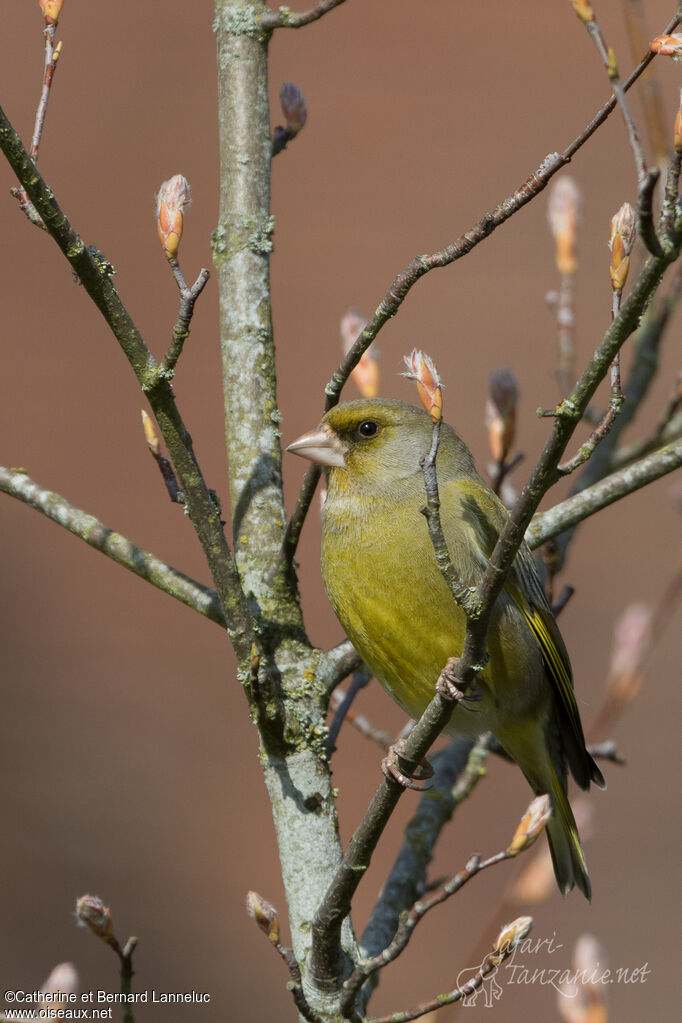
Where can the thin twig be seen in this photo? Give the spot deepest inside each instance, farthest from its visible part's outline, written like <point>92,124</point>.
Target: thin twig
<point>188,297</point>
<point>562,600</point>
<point>642,374</point>
<point>421,265</point>
<point>501,469</point>
<point>587,449</point>
<point>608,58</point>
<point>364,970</point>
<point>650,90</point>
<point>125,956</point>
<point>490,964</point>
<point>645,201</point>
<point>284,18</point>
<point>616,400</point>
<point>457,770</point>
<point>361,678</point>
<point>464,595</point>
<point>109,542</point>
<point>51,57</point>
<point>671,407</point>
<point>360,723</point>
<point>169,478</point>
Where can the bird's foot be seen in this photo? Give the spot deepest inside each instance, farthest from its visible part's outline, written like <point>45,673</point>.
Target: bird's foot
<point>408,777</point>
<point>454,689</point>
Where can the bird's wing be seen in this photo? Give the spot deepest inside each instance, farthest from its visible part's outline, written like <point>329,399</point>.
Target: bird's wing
<point>488,516</point>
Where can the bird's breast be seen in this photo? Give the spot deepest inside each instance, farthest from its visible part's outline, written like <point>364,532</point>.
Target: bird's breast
<point>384,585</point>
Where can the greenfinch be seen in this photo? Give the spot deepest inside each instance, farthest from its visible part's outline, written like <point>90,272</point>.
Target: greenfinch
<point>384,585</point>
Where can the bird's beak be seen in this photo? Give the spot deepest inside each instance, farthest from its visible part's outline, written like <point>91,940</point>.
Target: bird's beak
<point>321,446</point>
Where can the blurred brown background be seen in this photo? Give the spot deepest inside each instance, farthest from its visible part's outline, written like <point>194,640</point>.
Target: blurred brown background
<point>129,764</point>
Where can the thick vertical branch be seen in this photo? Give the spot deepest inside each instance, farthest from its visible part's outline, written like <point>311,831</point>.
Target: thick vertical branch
<point>242,245</point>
<point>288,692</point>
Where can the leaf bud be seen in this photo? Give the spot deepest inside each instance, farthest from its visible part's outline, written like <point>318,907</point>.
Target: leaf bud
<point>500,412</point>
<point>51,10</point>
<point>513,934</point>
<point>563,212</point>
<point>292,102</point>
<point>583,10</point>
<point>531,824</point>
<point>668,46</point>
<point>265,915</point>
<point>623,232</point>
<point>91,911</point>
<point>422,369</point>
<point>150,434</point>
<point>173,196</point>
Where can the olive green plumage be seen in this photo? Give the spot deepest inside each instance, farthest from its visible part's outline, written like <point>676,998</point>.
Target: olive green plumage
<point>381,576</point>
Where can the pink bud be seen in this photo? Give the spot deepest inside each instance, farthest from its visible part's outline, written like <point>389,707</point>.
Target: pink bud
<point>91,911</point>
<point>173,196</point>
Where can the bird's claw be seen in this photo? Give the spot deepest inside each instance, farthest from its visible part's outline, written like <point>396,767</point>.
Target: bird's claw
<point>409,778</point>
<point>454,689</point>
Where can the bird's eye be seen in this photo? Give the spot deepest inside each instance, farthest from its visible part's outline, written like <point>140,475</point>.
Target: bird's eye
<point>368,428</point>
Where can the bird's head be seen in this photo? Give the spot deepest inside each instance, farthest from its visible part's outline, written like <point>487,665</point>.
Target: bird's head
<point>378,442</point>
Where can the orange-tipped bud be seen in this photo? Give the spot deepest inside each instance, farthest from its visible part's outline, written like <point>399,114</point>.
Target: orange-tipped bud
<point>91,911</point>
<point>631,646</point>
<point>173,196</point>
<point>292,102</point>
<point>150,434</point>
<point>531,825</point>
<point>668,46</point>
<point>500,412</point>
<point>513,934</point>
<point>422,369</point>
<point>583,10</point>
<point>366,373</point>
<point>265,915</point>
<point>623,231</point>
<point>51,10</point>
<point>563,212</point>
<point>677,130</point>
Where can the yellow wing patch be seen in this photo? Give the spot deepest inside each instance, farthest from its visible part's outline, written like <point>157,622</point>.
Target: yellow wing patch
<point>555,664</point>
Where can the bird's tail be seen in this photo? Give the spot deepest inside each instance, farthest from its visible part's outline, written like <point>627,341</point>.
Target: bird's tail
<point>568,858</point>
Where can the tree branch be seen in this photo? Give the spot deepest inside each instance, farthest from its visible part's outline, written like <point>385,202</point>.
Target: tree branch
<point>460,760</point>
<point>284,18</point>
<point>121,550</point>
<point>420,265</point>
<point>612,488</point>
<point>94,273</point>
<point>188,297</point>
<point>336,904</point>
